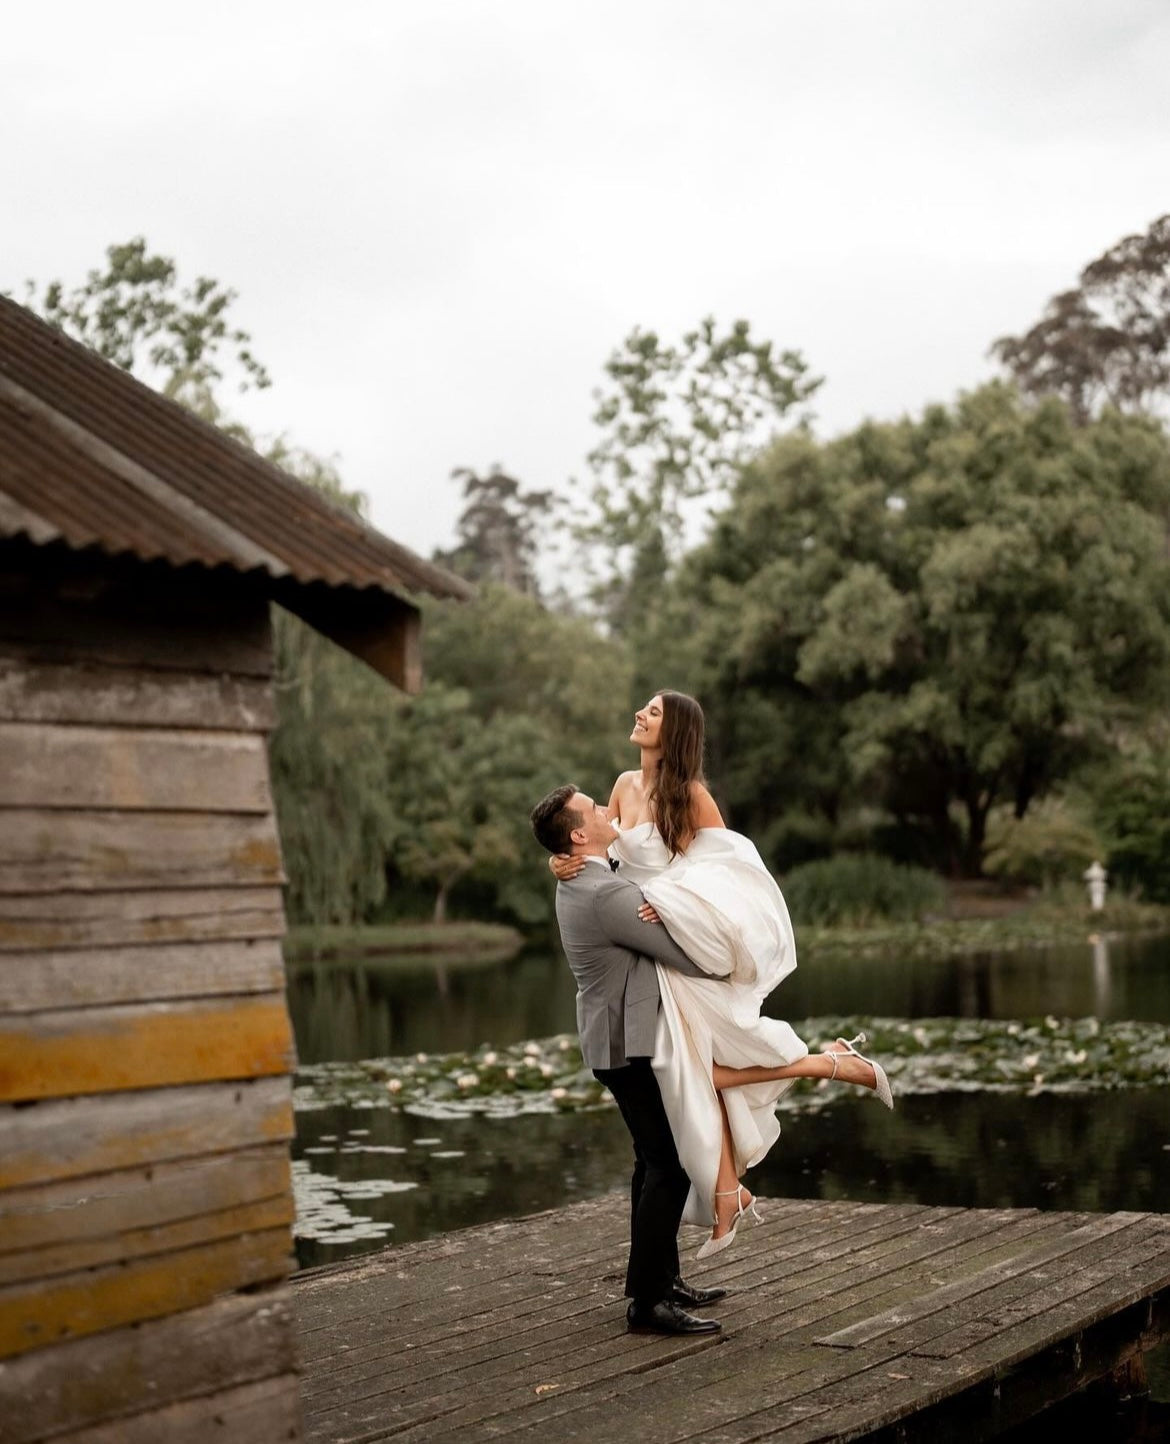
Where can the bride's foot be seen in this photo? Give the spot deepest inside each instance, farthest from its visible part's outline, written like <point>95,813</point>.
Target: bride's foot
<point>730,1207</point>
<point>850,1066</point>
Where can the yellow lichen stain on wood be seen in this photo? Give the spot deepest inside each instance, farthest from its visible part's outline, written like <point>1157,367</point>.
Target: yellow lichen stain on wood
<point>100,1050</point>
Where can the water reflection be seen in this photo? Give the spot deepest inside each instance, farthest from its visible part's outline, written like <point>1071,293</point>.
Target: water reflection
<point>1127,978</point>
<point>373,1008</point>
<point>377,1008</point>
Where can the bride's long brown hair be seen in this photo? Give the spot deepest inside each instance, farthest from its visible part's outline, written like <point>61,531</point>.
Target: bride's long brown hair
<point>681,763</point>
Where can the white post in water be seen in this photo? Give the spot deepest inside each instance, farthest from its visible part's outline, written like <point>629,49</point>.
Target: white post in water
<point>1095,876</point>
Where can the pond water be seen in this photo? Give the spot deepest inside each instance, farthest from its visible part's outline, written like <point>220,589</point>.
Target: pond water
<point>376,1009</point>
<point>369,1173</point>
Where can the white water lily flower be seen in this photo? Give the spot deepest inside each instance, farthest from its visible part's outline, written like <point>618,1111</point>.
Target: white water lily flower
<point>467,1080</point>
<point>489,1059</point>
<point>1093,1027</point>
<point>559,1093</point>
<point>1051,1022</point>
<point>509,1072</point>
<point>564,1045</point>
<point>394,1085</point>
<point>547,1070</point>
<point>1071,1057</point>
<point>420,1057</point>
<point>1030,1061</point>
<point>920,1037</point>
<point>532,1050</point>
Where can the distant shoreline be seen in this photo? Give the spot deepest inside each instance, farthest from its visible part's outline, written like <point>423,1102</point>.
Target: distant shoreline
<point>379,940</point>
<point>1036,926</point>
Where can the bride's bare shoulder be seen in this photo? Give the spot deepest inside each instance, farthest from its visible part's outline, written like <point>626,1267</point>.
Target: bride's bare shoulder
<point>704,810</point>
<point>621,788</point>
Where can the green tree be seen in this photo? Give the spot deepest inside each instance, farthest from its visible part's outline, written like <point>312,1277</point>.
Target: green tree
<point>1107,340</point>
<point>931,617</point>
<point>676,424</point>
<point>514,657</point>
<point>462,792</point>
<point>498,531</point>
<point>1132,807</point>
<point>138,314</point>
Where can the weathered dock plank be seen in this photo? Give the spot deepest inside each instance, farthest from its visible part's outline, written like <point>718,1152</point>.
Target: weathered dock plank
<point>843,1321</point>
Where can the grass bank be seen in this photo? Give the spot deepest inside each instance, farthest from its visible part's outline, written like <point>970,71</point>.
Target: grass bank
<point>407,939</point>
<point>1043,923</point>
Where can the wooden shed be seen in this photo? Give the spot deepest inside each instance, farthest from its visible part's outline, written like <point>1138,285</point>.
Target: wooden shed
<point>145,1044</point>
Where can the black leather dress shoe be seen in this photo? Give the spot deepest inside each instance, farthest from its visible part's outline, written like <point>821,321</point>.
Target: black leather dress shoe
<point>693,1298</point>
<point>667,1318</point>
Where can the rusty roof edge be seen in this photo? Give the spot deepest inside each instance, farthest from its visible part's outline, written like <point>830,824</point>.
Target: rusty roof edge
<point>211,527</point>
<point>431,576</point>
<point>30,528</point>
<point>19,520</point>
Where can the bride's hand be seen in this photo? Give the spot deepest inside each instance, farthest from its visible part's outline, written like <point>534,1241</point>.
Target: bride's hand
<point>647,914</point>
<point>563,867</point>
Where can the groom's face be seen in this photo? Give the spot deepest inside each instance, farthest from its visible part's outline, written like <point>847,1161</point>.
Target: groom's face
<point>595,829</point>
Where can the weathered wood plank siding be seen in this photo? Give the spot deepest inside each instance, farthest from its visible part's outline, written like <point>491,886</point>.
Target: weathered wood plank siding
<point>145,1045</point>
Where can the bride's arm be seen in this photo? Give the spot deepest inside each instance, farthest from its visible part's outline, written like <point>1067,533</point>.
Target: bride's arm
<point>563,867</point>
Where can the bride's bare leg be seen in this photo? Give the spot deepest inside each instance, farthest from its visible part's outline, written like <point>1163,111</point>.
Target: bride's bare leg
<point>727,1180</point>
<point>816,1065</point>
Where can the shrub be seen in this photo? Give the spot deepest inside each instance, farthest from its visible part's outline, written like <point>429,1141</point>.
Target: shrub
<point>1050,844</point>
<point>861,888</point>
<point>1133,811</point>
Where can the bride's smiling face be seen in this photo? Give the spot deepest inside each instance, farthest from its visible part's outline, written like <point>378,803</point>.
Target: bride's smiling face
<point>648,724</point>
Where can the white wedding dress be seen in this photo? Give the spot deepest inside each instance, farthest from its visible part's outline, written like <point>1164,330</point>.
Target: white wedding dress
<point>724,909</point>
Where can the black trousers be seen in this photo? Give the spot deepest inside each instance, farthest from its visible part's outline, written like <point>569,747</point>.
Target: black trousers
<point>659,1187</point>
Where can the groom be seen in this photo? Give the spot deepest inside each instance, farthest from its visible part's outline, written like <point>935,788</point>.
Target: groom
<point>609,948</point>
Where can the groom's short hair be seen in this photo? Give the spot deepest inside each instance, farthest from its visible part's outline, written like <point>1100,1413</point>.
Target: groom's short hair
<point>553,820</point>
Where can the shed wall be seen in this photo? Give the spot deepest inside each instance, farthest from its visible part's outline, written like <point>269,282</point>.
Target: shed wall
<point>145,1045</point>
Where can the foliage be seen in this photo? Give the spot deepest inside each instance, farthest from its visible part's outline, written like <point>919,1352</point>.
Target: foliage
<point>1107,341</point>
<point>860,889</point>
<point>929,618</point>
<point>677,421</point>
<point>1049,844</point>
<point>331,777</point>
<point>1132,807</point>
<point>498,532</point>
<point>513,656</point>
<point>464,789</point>
<point>136,313</point>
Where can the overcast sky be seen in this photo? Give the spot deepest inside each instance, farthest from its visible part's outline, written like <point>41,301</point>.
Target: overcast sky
<point>441,217</point>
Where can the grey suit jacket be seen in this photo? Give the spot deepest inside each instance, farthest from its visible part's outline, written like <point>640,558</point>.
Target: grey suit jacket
<point>609,948</point>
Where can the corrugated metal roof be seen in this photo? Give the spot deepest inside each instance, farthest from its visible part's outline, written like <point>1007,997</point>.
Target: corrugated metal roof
<point>91,457</point>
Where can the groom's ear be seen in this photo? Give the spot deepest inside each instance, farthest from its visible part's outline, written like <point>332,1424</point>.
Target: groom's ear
<point>577,836</point>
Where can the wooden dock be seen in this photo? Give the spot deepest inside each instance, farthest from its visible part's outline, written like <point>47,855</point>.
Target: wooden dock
<point>843,1321</point>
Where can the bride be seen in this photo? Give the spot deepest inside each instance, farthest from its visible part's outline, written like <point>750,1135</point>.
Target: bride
<point>720,1065</point>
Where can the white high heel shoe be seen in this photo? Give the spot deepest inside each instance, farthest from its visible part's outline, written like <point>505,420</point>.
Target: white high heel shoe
<point>881,1082</point>
<point>716,1245</point>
